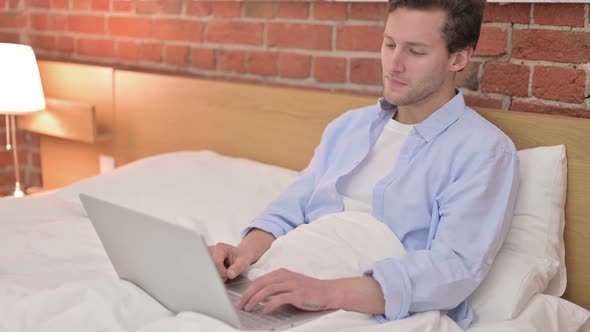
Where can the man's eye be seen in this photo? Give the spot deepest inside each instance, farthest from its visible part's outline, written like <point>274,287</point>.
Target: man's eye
<point>390,45</point>
<point>416,52</point>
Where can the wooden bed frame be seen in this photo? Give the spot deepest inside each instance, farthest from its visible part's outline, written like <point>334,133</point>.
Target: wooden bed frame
<point>149,114</point>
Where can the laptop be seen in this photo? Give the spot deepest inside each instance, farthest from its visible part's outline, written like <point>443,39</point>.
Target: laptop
<point>172,264</point>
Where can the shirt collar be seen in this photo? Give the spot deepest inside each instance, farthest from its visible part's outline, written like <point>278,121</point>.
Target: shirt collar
<point>438,121</point>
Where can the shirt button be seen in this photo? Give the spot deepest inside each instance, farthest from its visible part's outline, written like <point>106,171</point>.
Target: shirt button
<point>490,261</point>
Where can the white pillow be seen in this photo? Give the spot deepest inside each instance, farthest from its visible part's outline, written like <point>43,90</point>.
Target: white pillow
<point>532,258</point>
<point>219,195</point>
<point>339,245</point>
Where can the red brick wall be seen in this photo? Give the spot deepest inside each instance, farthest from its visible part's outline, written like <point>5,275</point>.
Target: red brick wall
<point>534,58</point>
<point>531,57</point>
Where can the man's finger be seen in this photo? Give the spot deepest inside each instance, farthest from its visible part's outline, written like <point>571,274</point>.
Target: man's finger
<point>278,300</point>
<point>219,255</point>
<point>256,286</point>
<point>238,267</point>
<point>265,292</point>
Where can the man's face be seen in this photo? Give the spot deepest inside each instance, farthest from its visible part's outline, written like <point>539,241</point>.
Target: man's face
<point>414,55</point>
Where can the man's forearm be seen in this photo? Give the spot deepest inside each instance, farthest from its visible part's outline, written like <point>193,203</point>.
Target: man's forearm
<point>256,243</point>
<point>360,294</point>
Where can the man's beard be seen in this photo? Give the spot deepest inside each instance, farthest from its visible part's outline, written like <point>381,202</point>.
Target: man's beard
<point>417,94</point>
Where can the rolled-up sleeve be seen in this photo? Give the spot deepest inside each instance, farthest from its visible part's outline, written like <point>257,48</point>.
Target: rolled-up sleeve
<point>287,211</point>
<point>470,219</point>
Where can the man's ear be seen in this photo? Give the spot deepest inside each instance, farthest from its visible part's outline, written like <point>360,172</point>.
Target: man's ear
<point>460,59</point>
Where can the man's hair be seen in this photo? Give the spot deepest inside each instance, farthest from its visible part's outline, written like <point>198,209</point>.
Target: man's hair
<point>463,22</point>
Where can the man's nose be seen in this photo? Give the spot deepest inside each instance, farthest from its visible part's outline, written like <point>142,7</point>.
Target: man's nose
<point>397,61</point>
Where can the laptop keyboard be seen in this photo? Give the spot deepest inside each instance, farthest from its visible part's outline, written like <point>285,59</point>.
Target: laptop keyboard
<point>255,318</point>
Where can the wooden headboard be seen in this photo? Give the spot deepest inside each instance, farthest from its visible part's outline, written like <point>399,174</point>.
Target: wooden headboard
<point>277,125</point>
<point>280,126</point>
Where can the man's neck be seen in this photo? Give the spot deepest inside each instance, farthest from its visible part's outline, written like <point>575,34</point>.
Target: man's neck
<point>420,111</point>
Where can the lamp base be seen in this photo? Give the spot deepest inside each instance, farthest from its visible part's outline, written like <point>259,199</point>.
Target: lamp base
<point>18,192</point>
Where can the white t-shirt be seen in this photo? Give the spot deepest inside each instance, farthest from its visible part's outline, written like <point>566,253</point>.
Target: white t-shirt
<point>357,186</point>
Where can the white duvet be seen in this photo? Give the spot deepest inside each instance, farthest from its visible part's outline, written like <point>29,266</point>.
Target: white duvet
<point>55,276</point>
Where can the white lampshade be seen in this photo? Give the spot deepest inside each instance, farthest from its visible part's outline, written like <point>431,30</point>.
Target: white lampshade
<point>20,84</point>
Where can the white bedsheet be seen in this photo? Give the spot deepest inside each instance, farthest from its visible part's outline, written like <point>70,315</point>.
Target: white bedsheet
<point>55,276</point>
<point>120,306</point>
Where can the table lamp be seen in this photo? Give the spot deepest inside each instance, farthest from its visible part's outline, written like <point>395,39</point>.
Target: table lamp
<point>21,92</point>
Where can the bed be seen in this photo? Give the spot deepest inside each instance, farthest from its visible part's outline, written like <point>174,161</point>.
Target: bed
<point>176,160</point>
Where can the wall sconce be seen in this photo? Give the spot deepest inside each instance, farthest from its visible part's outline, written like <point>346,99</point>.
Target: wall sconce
<point>21,92</point>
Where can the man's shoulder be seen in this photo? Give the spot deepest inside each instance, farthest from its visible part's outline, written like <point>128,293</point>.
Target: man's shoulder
<point>483,135</point>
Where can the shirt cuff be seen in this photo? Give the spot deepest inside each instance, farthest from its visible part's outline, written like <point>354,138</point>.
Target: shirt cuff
<point>265,225</point>
<point>396,287</point>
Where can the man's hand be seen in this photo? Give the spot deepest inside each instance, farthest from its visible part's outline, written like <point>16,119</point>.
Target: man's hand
<point>230,261</point>
<point>288,287</point>
<point>361,294</point>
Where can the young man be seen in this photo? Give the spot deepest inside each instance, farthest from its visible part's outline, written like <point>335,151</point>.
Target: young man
<point>440,176</point>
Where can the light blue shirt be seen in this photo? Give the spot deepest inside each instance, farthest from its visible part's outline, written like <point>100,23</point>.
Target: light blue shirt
<point>449,199</point>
